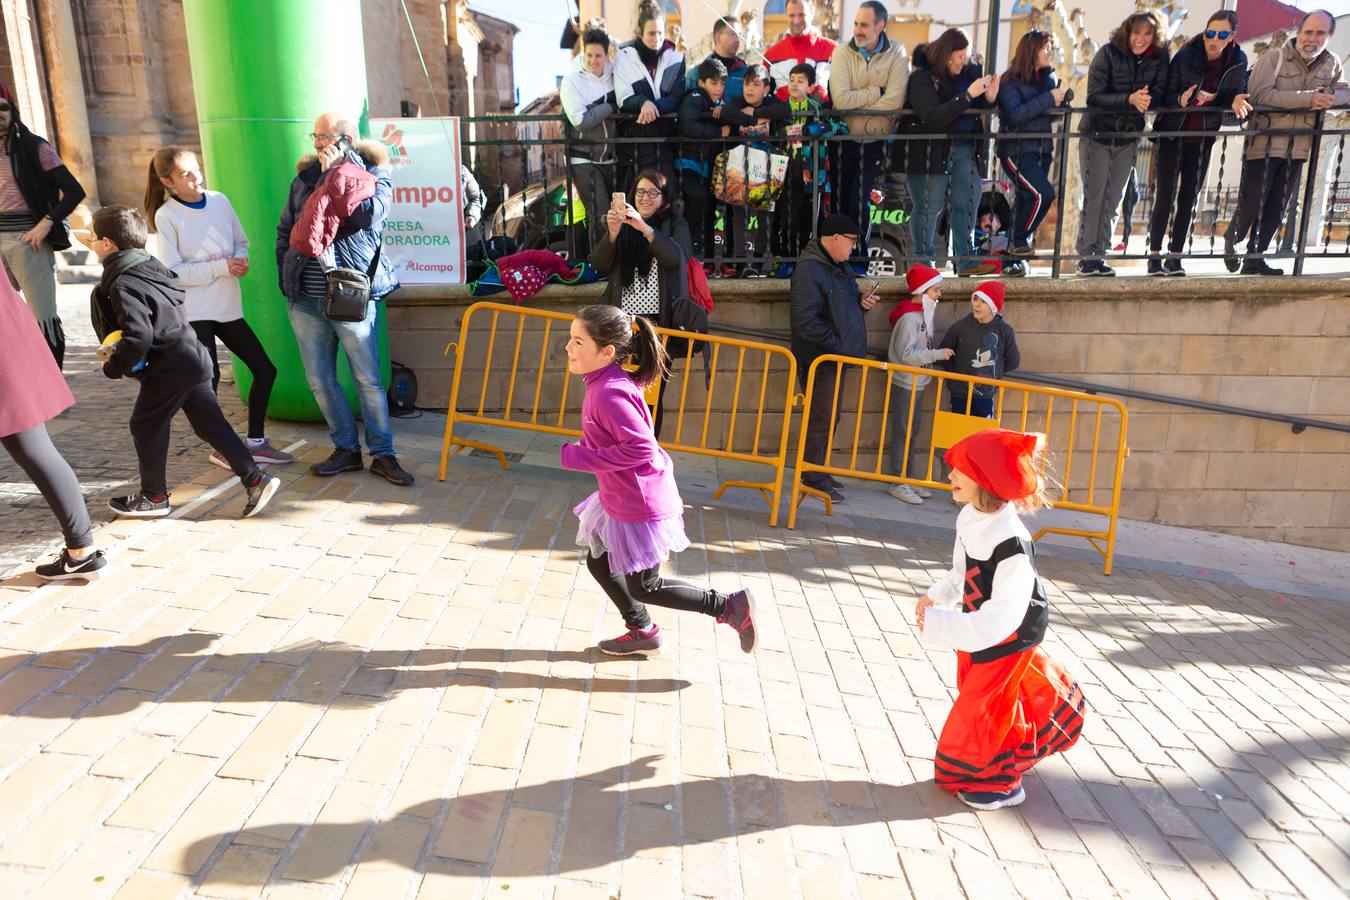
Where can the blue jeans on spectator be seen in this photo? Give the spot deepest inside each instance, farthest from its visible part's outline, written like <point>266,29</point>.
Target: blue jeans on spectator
<point>931,192</point>
<point>319,337</point>
<point>979,406</point>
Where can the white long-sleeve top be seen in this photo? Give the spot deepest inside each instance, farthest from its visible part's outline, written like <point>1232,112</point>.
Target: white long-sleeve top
<point>197,245</point>
<point>977,534</point>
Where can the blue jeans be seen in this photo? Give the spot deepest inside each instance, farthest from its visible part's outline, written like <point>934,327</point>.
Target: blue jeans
<point>930,192</point>
<point>318,337</point>
<point>979,406</point>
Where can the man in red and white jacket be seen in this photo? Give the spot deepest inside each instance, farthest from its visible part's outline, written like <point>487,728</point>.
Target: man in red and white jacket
<point>801,44</point>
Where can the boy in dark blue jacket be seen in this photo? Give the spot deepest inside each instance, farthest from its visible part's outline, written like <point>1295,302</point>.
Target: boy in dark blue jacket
<point>703,118</point>
<point>985,346</point>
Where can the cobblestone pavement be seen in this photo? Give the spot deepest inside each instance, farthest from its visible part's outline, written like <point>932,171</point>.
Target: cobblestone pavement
<point>379,692</point>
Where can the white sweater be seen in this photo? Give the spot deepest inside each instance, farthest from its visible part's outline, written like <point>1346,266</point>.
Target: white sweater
<point>196,244</point>
<point>978,533</point>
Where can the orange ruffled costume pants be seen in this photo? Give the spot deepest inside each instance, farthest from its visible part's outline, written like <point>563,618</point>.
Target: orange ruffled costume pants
<point>1009,714</point>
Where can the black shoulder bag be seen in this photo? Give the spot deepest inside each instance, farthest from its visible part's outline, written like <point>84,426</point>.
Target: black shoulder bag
<point>348,293</point>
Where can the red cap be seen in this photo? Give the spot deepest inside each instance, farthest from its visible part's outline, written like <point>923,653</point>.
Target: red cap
<point>991,292</point>
<point>920,278</point>
<point>1000,461</point>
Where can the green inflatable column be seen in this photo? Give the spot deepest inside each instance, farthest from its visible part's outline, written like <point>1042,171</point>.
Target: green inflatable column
<point>262,72</point>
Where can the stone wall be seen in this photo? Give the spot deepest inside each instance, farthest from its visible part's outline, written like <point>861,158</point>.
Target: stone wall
<point>1227,341</point>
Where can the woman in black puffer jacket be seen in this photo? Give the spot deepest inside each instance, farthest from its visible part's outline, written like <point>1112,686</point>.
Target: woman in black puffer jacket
<point>1209,74</point>
<point>944,88</point>
<point>1127,77</point>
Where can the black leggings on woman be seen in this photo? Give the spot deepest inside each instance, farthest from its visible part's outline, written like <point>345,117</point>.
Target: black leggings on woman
<point>243,343</point>
<point>631,593</point>
<point>35,453</point>
<point>1189,160</point>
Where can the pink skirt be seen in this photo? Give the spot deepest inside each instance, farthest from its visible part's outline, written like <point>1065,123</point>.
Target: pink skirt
<point>632,546</point>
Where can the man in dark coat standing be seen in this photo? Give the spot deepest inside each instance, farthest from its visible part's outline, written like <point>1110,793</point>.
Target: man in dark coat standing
<point>827,311</point>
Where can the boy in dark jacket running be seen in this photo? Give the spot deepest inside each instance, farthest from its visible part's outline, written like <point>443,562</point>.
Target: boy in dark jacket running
<point>985,346</point>
<point>142,298</point>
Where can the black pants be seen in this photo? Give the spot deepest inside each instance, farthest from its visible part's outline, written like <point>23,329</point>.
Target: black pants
<point>695,189</point>
<point>240,340</point>
<point>1262,198</point>
<point>1176,158</point>
<point>822,417</point>
<point>152,417</point>
<point>51,474</point>
<point>630,594</point>
<point>859,166</point>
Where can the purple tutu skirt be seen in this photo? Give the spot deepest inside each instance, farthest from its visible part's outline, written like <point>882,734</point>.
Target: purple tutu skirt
<point>632,546</point>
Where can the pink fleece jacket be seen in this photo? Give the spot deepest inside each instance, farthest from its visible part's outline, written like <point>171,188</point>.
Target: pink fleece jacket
<point>636,477</point>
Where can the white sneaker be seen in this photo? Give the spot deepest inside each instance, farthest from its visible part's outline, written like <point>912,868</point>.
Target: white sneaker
<point>925,493</point>
<point>905,494</point>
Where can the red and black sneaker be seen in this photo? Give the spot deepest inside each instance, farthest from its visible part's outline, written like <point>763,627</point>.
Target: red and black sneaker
<point>739,613</point>
<point>634,641</point>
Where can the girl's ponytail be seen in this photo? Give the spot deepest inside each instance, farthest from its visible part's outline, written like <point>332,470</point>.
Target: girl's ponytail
<point>649,355</point>
<point>156,194</point>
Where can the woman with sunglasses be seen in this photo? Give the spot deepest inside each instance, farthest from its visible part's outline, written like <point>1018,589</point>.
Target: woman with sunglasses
<point>1206,79</point>
<point>644,252</point>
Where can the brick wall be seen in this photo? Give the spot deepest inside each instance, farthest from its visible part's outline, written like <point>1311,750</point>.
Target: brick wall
<point>1221,341</point>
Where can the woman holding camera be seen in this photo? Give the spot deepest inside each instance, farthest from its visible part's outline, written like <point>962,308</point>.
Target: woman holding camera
<point>1027,94</point>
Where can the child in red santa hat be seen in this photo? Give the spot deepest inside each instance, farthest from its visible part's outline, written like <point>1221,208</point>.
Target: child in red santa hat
<point>1014,705</point>
<point>912,346</point>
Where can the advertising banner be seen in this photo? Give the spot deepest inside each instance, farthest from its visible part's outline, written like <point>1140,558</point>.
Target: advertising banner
<point>424,237</point>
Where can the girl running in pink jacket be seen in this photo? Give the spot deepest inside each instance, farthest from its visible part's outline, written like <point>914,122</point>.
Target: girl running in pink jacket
<point>635,519</point>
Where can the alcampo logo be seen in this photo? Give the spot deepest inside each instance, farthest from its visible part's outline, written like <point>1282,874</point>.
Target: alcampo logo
<point>393,139</point>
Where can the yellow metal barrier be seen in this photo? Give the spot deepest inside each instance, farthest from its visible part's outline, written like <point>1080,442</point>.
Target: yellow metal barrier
<point>532,392</point>
<point>1071,421</point>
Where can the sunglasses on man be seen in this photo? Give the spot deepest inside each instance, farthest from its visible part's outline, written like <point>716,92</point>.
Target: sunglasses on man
<point>1221,35</point>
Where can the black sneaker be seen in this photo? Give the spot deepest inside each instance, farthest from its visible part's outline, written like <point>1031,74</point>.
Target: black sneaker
<point>1172,267</point>
<point>1021,252</point>
<point>1155,266</point>
<point>826,487</point>
<point>1259,267</point>
<point>1088,266</point>
<point>1103,270</point>
<point>140,507</point>
<point>1230,259</point>
<point>739,613</point>
<point>338,461</point>
<point>992,799</point>
<point>634,641</point>
<point>259,494</point>
<point>63,568</point>
<point>387,467</point>
<point>1015,269</point>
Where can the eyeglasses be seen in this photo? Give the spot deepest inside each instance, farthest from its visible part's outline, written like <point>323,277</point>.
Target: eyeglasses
<point>319,136</point>
<point>5,107</point>
<point>1221,35</point>
<point>646,194</point>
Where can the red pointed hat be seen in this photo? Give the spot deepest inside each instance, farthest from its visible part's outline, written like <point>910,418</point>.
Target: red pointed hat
<point>991,292</point>
<point>1000,461</point>
<point>920,278</point>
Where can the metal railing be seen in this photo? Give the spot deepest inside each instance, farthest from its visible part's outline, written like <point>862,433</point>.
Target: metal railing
<point>541,204</point>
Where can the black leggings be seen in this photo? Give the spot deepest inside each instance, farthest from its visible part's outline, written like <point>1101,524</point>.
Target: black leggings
<point>631,593</point>
<point>48,470</point>
<point>243,343</point>
<point>1190,161</point>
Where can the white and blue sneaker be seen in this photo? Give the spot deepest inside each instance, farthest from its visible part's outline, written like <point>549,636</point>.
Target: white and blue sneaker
<point>992,799</point>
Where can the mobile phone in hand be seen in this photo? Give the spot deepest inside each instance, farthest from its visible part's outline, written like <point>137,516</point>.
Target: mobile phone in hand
<point>618,201</point>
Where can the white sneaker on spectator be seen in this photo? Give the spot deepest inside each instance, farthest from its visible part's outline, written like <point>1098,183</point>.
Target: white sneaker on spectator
<point>925,493</point>
<point>905,494</point>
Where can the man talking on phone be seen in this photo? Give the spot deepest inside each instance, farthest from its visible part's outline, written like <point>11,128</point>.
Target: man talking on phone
<point>827,316</point>
<point>354,244</point>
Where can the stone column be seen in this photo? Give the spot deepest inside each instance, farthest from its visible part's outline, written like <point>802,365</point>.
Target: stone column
<point>66,83</point>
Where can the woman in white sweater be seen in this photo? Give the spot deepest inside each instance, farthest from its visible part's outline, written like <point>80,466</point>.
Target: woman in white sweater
<point>201,240</point>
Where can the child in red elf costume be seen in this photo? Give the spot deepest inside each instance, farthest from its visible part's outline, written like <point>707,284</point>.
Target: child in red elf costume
<point>1015,705</point>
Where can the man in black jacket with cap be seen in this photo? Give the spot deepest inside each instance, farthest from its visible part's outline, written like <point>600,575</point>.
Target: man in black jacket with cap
<point>828,316</point>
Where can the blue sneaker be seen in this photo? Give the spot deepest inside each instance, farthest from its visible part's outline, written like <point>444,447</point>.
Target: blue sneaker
<point>992,799</point>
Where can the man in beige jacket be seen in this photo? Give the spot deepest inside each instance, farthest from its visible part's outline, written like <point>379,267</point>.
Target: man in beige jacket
<point>1302,76</point>
<point>868,73</point>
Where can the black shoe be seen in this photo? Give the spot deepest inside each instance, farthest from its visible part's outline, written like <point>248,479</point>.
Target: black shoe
<point>387,467</point>
<point>1172,267</point>
<point>826,486</point>
<point>1103,270</point>
<point>259,494</point>
<point>1016,269</point>
<point>338,461</point>
<point>1022,252</point>
<point>63,568</point>
<point>1230,259</point>
<point>140,507</point>
<point>1259,267</point>
<point>1088,266</point>
<point>1155,266</point>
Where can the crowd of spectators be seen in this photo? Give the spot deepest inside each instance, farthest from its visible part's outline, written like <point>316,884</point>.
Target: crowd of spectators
<point>936,120</point>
